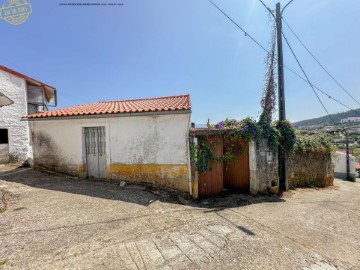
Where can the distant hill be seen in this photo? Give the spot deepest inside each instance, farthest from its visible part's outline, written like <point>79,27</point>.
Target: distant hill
<point>325,120</point>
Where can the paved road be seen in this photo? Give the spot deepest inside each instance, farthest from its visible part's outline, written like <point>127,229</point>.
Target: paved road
<point>54,222</point>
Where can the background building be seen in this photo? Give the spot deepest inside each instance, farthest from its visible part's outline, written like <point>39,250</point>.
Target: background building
<point>350,120</point>
<point>340,165</point>
<point>26,95</point>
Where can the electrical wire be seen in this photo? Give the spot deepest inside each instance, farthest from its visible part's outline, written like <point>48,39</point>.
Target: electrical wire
<point>321,91</point>
<point>307,78</point>
<point>270,11</point>
<point>246,33</point>
<point>287,5</point>
<point>291,70</point>
<point>322,66</point>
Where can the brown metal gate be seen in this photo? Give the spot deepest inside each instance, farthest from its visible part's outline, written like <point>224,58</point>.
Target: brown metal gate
<point>237,173</point>
<point>211,182</point>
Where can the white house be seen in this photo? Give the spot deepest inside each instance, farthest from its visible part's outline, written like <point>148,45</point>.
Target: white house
<point>143,140</point>
<point>350,120</point>
<point>340,165</point>
<point>20,95</point>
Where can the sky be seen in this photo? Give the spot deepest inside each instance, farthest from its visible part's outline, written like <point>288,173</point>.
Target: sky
<point>169,47</point>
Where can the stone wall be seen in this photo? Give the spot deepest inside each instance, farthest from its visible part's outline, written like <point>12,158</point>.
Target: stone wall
<point>310,169</point>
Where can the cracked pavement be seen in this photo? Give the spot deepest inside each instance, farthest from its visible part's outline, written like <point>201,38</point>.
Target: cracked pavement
<point>57,222</point>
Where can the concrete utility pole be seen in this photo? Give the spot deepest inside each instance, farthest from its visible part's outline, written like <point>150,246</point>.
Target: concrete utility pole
<point>283,182</point>
<point>347,156</point>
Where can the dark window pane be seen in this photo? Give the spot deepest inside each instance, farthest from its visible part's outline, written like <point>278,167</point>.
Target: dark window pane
<point>4,139</point>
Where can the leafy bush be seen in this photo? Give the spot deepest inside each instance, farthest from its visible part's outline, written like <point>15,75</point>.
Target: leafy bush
<point>247,129</point>
<point>270,133</point>
<point>201,155</point>
<point>351,178</point>
<point>287,134</point>
<point>277,134</point>
<point>312,142</point>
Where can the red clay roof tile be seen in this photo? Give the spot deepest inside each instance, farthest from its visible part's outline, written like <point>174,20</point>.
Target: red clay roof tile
<point>170,103</point>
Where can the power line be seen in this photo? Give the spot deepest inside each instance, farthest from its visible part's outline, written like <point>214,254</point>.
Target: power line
<point>322,66</point>
<point>287,5</point>
<point>307,78</point>
<point>263,48</point>
<point>270,11</point>
<point>246,33</point>
<point>292,71</point>
<point>321,91</point>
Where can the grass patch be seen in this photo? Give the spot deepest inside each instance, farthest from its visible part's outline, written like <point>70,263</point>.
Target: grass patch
<point>351,178</point>
<point>2,262</point>
<point>19,208</point>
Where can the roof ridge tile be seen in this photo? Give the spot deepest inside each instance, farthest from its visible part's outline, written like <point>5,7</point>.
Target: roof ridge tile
<point>169,103</point>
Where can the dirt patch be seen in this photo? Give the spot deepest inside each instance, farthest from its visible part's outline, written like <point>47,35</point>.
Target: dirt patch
<point>3,262</point>
<point>4,199</point>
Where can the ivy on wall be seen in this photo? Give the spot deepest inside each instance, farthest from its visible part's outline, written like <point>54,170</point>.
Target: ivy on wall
<point>276,134</point>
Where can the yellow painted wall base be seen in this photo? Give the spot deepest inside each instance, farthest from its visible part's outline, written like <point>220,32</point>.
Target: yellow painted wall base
<point>173,176</point>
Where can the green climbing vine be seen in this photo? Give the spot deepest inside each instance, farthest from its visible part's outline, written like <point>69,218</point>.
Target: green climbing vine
<point>201,154</point>
<point>247,130</point>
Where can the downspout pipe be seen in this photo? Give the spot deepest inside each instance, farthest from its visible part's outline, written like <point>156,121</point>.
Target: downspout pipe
<point>189,160</point>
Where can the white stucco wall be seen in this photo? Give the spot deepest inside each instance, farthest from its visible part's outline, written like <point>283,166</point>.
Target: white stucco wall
<point>10,116</point>
<point>340,165</point>
<point>150,139</point>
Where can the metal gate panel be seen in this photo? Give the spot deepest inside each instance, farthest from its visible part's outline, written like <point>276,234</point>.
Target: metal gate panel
<point>95,152</point>
<point>102,152</point>
<point>211,182</point>
<point>237,173</point>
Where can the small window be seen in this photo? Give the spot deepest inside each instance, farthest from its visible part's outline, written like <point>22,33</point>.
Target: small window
<point>4,139</point>
<point>35,95</point>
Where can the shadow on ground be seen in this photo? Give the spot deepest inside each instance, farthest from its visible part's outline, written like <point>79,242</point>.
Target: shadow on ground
<point>132,193</point>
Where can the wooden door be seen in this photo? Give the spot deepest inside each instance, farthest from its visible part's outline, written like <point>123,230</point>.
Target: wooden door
<point>237,173</point>
<point>211,182</point>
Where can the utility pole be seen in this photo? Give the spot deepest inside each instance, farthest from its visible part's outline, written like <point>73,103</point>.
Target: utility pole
<point>347,156</point>
<point>283,182</point>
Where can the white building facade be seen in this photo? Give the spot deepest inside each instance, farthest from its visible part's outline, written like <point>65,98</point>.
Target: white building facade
<point>137,140</point>
<point>15,142</point>
<point>350,120</point>
<point>340,165</point>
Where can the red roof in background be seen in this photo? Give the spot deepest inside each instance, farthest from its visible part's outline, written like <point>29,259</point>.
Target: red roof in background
<point>26,78</point>
<point>171,103</point>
